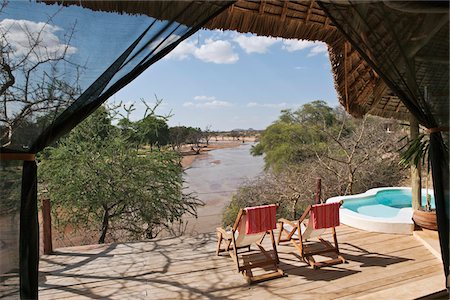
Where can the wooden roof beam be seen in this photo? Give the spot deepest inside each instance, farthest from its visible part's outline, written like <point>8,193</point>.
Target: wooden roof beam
<point>230,9</point>
<point>284,10</point>
<point>364,72</point>
<point>262,7</point>
<point>378,92</point>
<point>308,12</point>
<point>365,92</point>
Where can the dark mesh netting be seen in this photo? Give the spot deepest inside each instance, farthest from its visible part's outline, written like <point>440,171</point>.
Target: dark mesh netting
<point>406,43</point>
<point>11,177</point>
<point>58,64</point>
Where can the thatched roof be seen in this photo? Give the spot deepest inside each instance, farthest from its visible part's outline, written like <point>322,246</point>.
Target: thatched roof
<point>359,88</point>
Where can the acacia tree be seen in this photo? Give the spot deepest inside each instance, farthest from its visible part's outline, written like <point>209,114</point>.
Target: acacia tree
<point>95,178</point>
<point>365,156</point>
<point>353,154</point>
<point>33,84</point>
<point>207,134</point>
<point>292,188</point>
<point>177,136</point>
<point>294,138</point>
<point>151,130</point>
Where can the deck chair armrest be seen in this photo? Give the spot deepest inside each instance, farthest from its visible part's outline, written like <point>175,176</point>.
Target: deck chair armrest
<point>293,224</point>
<point>224,233</point>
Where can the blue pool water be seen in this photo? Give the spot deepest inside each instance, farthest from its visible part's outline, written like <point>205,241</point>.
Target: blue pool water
<point>384,204</point>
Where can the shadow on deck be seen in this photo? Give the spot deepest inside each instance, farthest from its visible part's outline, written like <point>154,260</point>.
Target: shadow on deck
<point>379,265</point>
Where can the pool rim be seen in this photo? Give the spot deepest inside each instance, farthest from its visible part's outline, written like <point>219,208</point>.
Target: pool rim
<point>401,224</point>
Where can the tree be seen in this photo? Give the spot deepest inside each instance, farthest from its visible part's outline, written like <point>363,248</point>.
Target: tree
<point>95,178</point>
<point>294,137</point>
<point>177,136</point>
<point>365,156</point>
<point>153,131</point>
<point>194,136</point>
<point>181,135</point>
<point>33,85</point>
<point>207,134</point>
<point>292,188</point>
<point>129,132</point>
<point>353,154</point>
<point>235,134</point>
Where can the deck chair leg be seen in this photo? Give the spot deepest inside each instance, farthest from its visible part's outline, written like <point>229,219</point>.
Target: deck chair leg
<point>336,245</point>
<point>274,246</point>
<point>219,242</point>
<point>335,240</point>
<point>311,261</point>
<point>261,240</point>
<point>235,254</point>
<point>280,232</point>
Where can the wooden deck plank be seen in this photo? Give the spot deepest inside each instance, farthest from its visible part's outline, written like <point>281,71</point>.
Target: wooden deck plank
<point>187,268</point>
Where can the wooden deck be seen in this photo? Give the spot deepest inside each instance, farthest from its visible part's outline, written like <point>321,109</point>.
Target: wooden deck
<point>380,266</point>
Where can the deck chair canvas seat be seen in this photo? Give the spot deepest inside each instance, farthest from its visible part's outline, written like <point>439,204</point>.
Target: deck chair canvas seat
<point>237,238</point>
<point>309,229</point>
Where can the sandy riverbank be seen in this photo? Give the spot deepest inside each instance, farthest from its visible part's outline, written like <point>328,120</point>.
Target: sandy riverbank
<point>189,156</point>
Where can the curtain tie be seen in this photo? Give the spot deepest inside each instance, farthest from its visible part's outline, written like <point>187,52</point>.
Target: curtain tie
<point>17,156</point>
<point>437,129</point>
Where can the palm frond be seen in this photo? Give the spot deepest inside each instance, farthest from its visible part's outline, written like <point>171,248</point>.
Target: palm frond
<point>416,152</point>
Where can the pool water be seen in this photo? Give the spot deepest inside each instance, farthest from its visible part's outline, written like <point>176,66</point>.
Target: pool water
<point>384,204</point>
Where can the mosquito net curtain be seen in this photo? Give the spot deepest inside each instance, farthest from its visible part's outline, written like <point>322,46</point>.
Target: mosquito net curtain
<point>407,44</point>
<point>58,64</point>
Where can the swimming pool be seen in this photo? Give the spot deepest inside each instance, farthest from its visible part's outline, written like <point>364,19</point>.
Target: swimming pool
<point>380,210</point>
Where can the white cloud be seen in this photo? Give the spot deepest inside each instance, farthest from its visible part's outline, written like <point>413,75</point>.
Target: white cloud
<point>204,98</point>
<point>218,52</point>
<point>318,49</point>
<point>218,34</point>
<point>314,48</point>
<point>268,105</point>
<point>296,45</point>
<point>207,102</point>
<point>255,44</point>
<point>182,51</point>
<point>214,51</point>
<point>40,37</point>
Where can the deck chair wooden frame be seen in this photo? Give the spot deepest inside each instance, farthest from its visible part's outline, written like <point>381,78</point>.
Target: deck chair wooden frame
<point>232,247</point>
<point>298,241</point>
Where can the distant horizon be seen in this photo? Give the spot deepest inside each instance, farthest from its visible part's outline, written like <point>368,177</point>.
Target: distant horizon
<point>229,80</point>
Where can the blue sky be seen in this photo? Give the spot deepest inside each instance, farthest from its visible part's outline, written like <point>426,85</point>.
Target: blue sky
<point>229,80</point>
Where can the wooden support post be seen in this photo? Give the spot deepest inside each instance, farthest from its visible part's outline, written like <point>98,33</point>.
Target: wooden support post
<point>318,194</point>
<point>47,226</point>
<point>416,184</point>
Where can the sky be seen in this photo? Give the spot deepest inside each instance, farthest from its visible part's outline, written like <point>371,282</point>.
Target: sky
<point>226,80</point>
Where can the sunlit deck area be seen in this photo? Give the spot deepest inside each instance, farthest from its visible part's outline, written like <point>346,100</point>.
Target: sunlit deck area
<point>380,266</point>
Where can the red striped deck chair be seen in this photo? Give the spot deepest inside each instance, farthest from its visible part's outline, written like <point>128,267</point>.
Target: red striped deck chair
<point>321,218</point>
<point>251,226</point>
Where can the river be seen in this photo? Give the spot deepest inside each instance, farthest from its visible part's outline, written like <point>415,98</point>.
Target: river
<point>214,178</point>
